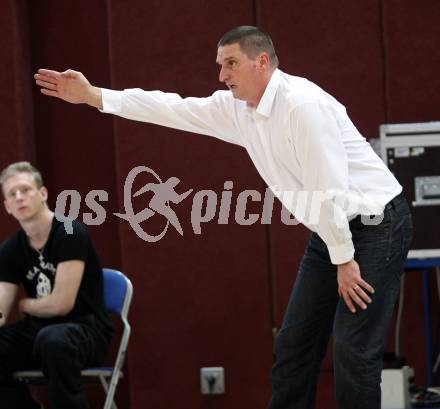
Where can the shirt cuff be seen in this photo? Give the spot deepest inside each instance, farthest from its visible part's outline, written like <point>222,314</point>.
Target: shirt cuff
<point>111,101</point>
<point>341,253</point>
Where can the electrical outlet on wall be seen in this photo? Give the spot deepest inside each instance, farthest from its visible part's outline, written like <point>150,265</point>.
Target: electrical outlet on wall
<point>212,380</point>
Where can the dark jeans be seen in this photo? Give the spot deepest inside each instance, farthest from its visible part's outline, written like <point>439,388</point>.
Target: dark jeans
<point>315,311</point>
<point>61,351</point>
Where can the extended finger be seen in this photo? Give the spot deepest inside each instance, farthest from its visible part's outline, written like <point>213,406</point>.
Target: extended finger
<point>47,85</point>
<point>355,297</point>
<point>49,73</point>
<point>47,78</point>
<point>367,286</point>
<point>49,92</point>
<point>361,293</point>
<point>348,302</point>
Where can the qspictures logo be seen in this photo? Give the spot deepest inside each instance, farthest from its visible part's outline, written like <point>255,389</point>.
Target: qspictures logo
<point>165,195</point>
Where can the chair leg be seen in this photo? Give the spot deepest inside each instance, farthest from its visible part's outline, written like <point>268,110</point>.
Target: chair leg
<point>109,401</point>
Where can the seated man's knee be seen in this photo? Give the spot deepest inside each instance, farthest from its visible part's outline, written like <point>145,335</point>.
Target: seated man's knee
<point>52,343</point>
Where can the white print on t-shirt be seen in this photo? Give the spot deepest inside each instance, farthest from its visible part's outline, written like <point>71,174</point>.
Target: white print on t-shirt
<point>47,267</point>
<point>32,273</point>
<point>43,286</point>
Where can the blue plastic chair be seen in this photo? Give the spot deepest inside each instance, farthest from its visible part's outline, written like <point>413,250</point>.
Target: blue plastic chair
<point>118,292</point>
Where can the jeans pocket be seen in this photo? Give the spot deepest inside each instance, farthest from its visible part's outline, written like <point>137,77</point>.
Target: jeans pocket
<point>373,245</point>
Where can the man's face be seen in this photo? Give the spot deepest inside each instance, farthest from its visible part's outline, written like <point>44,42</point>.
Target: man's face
<point>239,72</point>
<point>23,199</point>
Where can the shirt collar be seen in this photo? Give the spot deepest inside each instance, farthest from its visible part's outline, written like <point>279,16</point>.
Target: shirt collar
<point>266,102</point>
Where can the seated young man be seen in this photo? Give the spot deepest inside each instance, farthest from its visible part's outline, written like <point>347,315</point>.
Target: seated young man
<point>65,326</point>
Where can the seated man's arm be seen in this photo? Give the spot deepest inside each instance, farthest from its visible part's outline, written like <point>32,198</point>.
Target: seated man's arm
<point>62,299</point>
<point>8,292</point>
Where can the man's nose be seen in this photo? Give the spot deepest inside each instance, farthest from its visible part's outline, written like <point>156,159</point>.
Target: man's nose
<point>222,75</point>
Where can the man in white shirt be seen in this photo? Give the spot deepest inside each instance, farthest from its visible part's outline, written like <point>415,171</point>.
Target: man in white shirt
<point>301,141</point>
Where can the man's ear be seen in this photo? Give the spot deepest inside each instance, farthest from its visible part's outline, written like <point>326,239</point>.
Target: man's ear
<point>43,193</point>
<point>264,60</point>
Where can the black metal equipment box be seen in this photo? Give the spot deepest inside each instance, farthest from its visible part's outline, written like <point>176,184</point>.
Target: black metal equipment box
<point>412,152</point>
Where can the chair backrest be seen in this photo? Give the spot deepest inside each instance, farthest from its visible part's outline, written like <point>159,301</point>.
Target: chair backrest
<point>117,291</point>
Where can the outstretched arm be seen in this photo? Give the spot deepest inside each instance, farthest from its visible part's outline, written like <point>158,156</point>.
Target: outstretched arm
<point>70,86</point>
<point>213,116</point>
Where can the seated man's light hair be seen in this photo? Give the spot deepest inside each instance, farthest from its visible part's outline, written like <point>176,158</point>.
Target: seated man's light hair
<point>21,167</point>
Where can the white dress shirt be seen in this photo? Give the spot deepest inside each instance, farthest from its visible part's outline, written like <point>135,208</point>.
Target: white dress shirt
<point>301,141</point>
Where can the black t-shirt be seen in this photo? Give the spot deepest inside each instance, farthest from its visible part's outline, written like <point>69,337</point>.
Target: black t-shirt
<point>35,270</point>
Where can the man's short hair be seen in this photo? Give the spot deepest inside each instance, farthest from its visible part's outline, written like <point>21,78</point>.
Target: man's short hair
<point>252,41</point>
<point>20,167</point>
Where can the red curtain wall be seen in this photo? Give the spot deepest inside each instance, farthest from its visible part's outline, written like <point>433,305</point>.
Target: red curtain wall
<point>209,299</point>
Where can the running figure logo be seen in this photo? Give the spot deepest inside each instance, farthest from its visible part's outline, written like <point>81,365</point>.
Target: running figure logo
<point>163,194</point>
